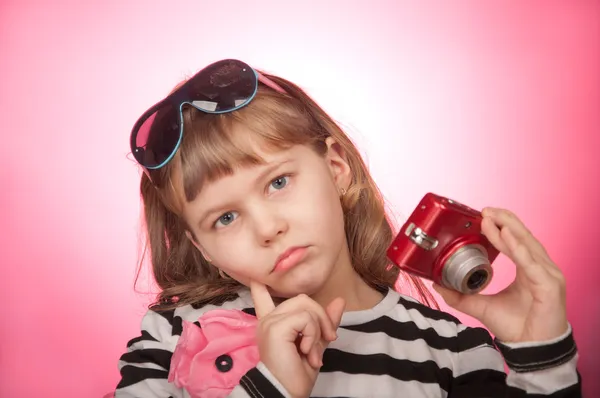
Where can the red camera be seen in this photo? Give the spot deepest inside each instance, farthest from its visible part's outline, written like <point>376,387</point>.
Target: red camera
<point>442,241</point>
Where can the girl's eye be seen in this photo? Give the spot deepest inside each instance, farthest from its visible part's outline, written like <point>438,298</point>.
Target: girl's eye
<point>279,182</point>
<point>226,219</point>
<point>229,217</point>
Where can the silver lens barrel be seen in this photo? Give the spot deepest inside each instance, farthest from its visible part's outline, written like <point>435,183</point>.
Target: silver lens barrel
<point>468,270</point>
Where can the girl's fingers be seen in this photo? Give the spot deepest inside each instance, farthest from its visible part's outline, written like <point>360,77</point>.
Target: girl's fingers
<point>506,219</point>
<point>263,302</point>
<point>303,302</point>
<point>299,326</point>
<point>308,340</point>
<point>521,256</point>
<point>315,356</point>
<point>492,233</point>
<point>301,320</point>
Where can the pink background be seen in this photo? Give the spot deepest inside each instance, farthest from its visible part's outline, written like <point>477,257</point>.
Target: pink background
<point>492,103</point>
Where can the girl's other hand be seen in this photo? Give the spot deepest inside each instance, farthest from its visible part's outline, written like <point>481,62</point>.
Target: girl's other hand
<point>533,307</point>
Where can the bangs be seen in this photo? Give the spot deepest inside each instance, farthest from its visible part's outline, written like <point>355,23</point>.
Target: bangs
<point>213,146</point>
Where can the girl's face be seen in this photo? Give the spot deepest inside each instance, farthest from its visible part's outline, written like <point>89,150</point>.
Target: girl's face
<point>244,222</point>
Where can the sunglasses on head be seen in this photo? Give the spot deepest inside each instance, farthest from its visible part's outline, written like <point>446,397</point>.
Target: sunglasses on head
<point>221,87</point>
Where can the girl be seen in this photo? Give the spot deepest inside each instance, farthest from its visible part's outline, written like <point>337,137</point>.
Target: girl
<point>268,239</point>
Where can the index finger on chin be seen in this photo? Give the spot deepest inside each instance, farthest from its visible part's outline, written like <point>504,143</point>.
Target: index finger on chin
<point>263,302</point>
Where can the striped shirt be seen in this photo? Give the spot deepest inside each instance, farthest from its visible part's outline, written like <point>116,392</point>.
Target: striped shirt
<point>399,348</point>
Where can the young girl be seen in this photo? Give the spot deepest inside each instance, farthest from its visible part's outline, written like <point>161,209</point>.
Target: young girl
<point>268,238</point>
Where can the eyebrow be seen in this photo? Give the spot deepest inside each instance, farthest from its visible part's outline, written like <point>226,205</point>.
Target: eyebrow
<point>269,168</point>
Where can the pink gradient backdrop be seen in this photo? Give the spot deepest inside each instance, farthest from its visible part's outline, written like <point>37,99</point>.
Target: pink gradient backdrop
<point>492,103</point>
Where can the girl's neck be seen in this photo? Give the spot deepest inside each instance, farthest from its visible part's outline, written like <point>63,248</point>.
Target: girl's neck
<point>356,293</point>
<point>345,282</point>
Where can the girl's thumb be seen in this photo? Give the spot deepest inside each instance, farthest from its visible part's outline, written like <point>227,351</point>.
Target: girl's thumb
<point>469,304</point>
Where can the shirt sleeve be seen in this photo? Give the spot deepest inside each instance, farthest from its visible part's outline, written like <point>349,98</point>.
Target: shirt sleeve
<point>535,369</point>
<point>258,382</point>
<point>144,367</point>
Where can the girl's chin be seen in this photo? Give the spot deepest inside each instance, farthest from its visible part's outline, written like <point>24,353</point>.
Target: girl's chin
<point>291,291</point>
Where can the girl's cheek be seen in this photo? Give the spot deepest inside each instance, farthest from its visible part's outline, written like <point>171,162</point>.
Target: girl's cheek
<point>244,281</point>
<point>241,277</point>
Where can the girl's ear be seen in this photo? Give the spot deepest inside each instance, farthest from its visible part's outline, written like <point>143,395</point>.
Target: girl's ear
<point>192,239</point>
<point>338,164</point>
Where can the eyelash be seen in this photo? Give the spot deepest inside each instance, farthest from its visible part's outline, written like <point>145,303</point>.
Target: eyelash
<point>214,225</point>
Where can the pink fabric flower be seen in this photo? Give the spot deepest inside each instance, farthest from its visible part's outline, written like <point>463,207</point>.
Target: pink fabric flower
<point>210,360</point>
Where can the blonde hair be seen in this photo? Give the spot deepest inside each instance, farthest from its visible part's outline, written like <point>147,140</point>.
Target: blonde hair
<point>210,149</point>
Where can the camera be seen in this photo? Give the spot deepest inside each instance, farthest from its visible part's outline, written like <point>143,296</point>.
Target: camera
<point>442,241</point>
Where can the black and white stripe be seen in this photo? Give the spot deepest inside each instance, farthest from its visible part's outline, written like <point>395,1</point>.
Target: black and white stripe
<point>398,348</point>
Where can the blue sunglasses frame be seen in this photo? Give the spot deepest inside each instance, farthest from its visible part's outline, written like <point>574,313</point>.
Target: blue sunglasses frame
<point>181,97</point>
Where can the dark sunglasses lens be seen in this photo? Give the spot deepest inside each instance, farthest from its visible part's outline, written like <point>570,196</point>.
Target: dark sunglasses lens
<point>222,86</point>
<point>157,136</point>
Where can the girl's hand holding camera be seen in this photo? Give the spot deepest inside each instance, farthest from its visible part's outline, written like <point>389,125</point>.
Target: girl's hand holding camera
<point>293,336</point>
<point>533,307</point>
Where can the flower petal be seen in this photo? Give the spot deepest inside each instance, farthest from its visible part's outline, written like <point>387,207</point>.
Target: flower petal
<point>191,342</point>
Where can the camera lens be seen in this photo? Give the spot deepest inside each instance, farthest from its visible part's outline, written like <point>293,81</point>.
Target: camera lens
<point>468,269</point>
<point>477,279</point>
